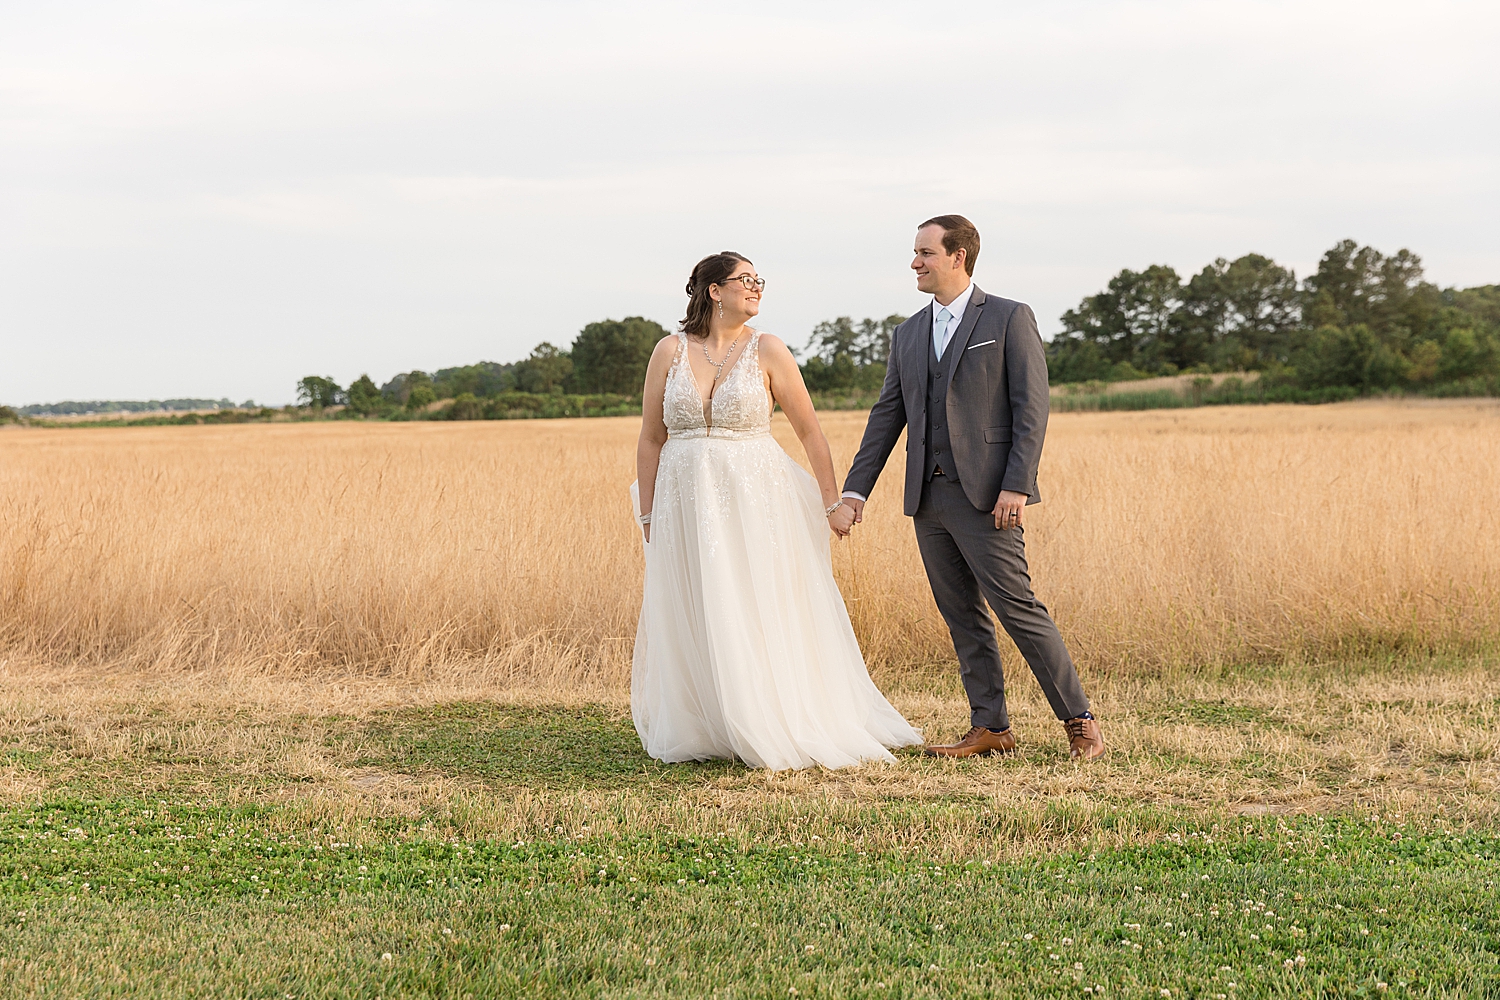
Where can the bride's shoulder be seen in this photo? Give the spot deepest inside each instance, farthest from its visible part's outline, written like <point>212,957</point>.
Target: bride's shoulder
<point>764,340</point>
<point>664,353</point>
<point>768,345</point>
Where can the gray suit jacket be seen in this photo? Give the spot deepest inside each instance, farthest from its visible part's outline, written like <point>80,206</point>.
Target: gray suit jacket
<point>997,403</point>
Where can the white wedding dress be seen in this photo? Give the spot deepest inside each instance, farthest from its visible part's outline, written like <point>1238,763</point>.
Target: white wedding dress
<point>744,647</point>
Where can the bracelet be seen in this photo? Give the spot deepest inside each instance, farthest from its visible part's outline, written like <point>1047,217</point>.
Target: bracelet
<point>836,506</point>
<point>645,518</point>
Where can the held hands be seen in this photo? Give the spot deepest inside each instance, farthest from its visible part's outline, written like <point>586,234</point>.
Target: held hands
<point>842,519</point>
<point>1009,510</point>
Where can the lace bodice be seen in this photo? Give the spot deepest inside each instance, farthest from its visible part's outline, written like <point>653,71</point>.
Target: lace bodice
<point>740,406</point>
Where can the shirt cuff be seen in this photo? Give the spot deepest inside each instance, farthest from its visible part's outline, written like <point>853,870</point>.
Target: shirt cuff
<point>850,493</point>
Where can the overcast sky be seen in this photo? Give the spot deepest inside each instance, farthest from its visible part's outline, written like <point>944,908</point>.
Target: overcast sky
<point>215,199</point>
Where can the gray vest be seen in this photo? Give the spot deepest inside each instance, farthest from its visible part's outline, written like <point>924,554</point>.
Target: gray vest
<point>938,452</point>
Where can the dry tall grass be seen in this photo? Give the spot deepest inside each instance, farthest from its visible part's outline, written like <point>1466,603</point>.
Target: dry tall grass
<point>506,549</point>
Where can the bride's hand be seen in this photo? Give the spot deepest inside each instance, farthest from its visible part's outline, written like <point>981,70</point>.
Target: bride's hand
<point>842,520</point>
<point>646,528</point>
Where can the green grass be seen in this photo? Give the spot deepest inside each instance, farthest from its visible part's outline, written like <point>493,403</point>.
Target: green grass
<point>544,748</point>
<point>163,865</point>
<point>191,900</point>
<point>1228,394</point>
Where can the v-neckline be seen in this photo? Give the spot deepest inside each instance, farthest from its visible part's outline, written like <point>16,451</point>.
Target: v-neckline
<point>706,404</point>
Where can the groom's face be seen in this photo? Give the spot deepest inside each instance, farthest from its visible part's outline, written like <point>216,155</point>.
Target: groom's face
<point>938,271</point>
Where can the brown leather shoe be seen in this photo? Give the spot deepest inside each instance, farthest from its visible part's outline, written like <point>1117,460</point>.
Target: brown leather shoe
<point>979,742</point>
<point>1085,741</point>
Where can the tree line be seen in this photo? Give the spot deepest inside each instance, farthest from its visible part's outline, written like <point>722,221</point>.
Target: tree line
<point>602,370</point>
<point>1363,322</point>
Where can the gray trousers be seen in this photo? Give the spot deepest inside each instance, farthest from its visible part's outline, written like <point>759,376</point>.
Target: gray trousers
<point>968,563</point>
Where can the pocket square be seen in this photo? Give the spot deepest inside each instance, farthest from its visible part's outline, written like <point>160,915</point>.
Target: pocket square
<point>984,344</point>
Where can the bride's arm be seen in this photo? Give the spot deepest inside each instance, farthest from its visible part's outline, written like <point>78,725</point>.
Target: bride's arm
<point>653,426</point>
<point>788,389</point>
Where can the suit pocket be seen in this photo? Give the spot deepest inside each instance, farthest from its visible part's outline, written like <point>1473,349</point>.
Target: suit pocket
<point>997,435</point>
<point>985,343</point>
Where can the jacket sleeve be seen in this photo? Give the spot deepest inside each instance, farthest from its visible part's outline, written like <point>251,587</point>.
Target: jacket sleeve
<point>1026,377</point>
<point>882,430</point>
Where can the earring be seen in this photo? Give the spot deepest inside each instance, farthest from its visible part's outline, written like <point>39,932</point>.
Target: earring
<point>721,308</point>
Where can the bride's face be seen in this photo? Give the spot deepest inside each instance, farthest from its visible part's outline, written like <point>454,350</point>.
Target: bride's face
<point>736,296</point>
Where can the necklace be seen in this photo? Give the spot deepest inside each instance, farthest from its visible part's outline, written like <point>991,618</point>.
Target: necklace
<point>719,365</point>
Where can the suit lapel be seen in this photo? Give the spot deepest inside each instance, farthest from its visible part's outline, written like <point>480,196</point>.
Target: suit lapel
<point>925,350</point>
<point>958,343</point>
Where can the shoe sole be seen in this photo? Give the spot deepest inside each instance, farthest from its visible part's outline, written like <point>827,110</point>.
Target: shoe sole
<point>961,756</point>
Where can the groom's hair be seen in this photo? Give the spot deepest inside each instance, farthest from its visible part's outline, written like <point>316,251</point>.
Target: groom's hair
<point>958,234</point>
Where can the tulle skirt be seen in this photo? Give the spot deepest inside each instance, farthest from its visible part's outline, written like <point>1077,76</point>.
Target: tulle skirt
<point>744,647</point>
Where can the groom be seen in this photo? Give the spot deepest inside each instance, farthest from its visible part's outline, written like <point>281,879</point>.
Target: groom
<point>967,380</point>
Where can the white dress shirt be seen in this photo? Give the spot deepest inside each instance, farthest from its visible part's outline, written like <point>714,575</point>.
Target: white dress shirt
<point>941,338</point>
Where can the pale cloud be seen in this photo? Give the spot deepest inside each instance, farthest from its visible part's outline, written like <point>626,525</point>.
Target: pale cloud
<point>218,198</point>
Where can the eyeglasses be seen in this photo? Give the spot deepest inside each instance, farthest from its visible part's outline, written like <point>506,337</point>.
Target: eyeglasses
<point>751,283</point>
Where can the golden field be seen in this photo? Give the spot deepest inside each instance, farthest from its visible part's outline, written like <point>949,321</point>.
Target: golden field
<point>506,550</point>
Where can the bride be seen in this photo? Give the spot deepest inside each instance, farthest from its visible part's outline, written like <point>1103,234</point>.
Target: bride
<point>744,648</point>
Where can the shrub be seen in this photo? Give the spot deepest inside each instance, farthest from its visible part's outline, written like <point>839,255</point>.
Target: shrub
<point>465,406</point>
<point>364,397</point>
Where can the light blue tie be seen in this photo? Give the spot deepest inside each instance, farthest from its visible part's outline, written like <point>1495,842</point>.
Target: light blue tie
<point>940,338</point>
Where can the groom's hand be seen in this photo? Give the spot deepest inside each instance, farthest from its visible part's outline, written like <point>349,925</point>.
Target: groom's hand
<point>858,506</point>
<point>1009,510</point>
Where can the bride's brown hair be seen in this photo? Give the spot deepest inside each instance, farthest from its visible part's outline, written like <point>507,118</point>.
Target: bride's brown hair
<point>711,270</point>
